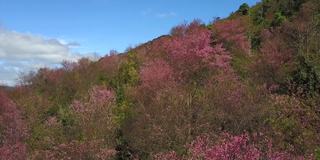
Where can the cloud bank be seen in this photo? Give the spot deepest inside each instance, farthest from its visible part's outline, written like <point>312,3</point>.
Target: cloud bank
<point>21,53</point>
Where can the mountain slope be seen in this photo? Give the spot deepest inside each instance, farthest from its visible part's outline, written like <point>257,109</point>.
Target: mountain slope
<point>243,87</point>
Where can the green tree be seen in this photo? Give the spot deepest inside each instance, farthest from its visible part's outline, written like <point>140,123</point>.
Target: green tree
<point>127,77</point>
<point>244,9</point>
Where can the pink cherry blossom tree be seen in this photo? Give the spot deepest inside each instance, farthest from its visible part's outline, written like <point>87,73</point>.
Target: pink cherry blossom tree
<point>156,74</point>
<point>233,31</point>
<point>191,50</point>
<point>95,113</point>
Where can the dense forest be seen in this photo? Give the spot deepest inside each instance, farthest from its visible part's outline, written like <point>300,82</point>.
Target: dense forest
<point>246,87</point>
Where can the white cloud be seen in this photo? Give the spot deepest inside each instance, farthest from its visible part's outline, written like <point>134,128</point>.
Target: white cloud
<point>166,15</point>
<point>20,52</point>
<point>150,12</point>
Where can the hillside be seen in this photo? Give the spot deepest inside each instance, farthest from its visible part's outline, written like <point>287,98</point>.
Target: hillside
<point>245,87</point>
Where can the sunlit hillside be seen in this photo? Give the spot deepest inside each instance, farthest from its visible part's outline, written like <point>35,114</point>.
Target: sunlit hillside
<point>245,87</point>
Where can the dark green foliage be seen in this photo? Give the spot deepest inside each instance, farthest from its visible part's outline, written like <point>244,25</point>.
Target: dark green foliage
<point>259,22</point>
<point>127,77</point>
<point>128,72</point>
<point>124,151</point>
<point>318,154</point>
<point>244,9</point>
<point>240,63</point>
<point>260,11</point>
<point>255,41</point>
<point>278,19</point>
<point>257,14</point>
<point>305,80</point>
<point>289,7</point>
<point>2,136</point>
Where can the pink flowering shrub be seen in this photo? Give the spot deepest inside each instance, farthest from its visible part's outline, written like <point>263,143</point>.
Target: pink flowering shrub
<point>100,95</point>
<point>109,64</point>
<point>228,147</point>
<point>274,49</point>
<point>99,98</point>
<point>199,147</point>
<point>233,31</point>
<point>17,151</point>
<point>232,106</point>
<point>156,74</point>
<point>273,65</point>
<point>295,125</point>
<point>191,50</point>
<point>95,113</point>
<point>12,131</point>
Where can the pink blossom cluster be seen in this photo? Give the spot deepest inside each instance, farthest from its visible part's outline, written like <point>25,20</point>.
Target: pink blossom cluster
<point>274,51</point>
<point>100,95</point>
<point>233,147</point>
<point>13,131</point>
<point>95,113</point>
<point>199,147</point>
<point>228,147</point>
<point>156,74</point>
<point>17,151</point>
<point>233,31</point>
<point>191,47</point>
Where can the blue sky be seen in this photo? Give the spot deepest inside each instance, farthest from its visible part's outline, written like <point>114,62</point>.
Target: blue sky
<point>73,28</point>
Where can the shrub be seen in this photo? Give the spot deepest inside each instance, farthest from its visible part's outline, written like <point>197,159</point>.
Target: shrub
<point>95,114</point>
<point>228,147</point>
<point>294,124</point>
<point>278,19</point>
<point>13,131</point>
